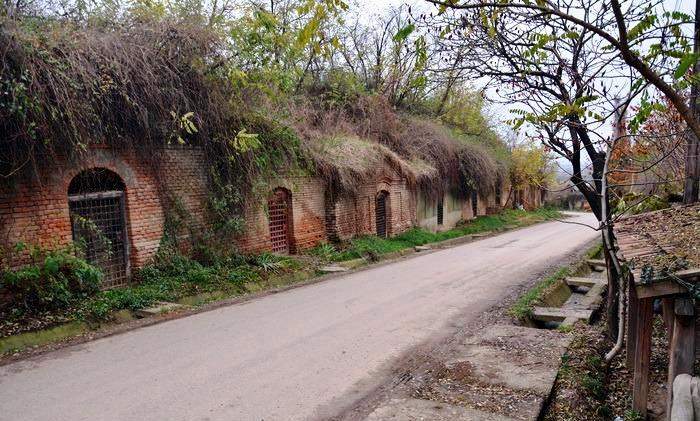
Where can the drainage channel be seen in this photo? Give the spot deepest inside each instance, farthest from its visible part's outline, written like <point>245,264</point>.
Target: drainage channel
<point>571,299</point>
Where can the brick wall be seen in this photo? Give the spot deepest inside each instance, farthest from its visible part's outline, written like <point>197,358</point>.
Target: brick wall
<point>34,209</point>
<point>356,215</point>
<point>454,210</point>
<point>308,216</point>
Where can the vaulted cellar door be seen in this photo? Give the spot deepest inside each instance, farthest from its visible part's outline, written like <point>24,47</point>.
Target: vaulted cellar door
<point>380,214</point>
<point>279,207</point>
<point>98,221</point>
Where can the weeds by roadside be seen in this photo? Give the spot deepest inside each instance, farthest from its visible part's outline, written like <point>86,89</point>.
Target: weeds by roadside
<point>50,291</point>
<point>373,246</point>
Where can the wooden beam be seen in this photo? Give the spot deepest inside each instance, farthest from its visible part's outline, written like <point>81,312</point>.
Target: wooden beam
<point>659,289</point>
<point>682,345</point>
<point>640,388</point>
<point>669,287</point>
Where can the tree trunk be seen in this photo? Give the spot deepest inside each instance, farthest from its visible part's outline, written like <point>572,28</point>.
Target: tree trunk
<point>692,159</point>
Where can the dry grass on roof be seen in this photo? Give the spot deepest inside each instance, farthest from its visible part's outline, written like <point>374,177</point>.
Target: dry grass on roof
<point>425,151</point>
<point>456,160</point>
<point>348,161</point>
<point>661,237</point>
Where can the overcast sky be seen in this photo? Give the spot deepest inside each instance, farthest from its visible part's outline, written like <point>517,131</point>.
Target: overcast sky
<point>371,8</point>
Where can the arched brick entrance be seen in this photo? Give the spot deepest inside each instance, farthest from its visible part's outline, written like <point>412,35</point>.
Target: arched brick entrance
<point>96,200</point>
<point>382,214</point>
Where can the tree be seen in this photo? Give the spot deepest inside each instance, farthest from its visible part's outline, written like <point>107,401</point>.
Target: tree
<point>648,39</point>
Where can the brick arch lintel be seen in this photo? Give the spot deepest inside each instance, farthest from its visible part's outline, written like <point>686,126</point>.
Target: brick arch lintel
<point>101,158</point>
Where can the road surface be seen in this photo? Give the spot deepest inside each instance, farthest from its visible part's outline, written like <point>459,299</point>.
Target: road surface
<point>300,354</point>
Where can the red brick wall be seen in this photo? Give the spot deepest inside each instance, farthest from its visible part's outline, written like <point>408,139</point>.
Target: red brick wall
<point>34,209</point>
<point>308,215</point>
<point>184,177</point>
<point>356,215</point>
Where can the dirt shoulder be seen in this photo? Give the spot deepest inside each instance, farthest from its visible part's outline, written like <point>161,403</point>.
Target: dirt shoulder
<point>438,362</point>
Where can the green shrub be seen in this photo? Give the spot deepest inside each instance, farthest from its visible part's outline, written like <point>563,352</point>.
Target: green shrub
<point>325,251</point>
<point>55,280</point>
<point>269,262</point>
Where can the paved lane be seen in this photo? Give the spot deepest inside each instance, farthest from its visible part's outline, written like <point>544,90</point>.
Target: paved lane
<point>283,356</point>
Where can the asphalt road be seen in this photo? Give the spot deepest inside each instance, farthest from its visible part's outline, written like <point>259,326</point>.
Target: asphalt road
<point>300,354</point>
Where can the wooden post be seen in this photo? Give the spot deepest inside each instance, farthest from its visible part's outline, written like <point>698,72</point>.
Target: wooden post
<point>682,345</point>
<point>632,322</point>
<point>640,390</point>
<point>667,307</point>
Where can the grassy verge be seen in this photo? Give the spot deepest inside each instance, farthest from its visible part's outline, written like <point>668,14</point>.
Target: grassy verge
<point>373,246</point>
<point>171,278</point>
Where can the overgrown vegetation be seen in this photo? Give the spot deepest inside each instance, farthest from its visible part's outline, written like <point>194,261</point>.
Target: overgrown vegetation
<point>58,287</point>
<point>53,280</point>
<point>259,91</point>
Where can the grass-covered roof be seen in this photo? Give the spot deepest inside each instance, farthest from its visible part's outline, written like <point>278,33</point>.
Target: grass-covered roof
<point>65,87</point>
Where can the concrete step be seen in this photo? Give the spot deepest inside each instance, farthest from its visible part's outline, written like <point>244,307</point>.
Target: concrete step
<point>159,308</point>
<point>558,314</point>
<point>573,281</point>
<point>333,269</point>
<point>596,264</point>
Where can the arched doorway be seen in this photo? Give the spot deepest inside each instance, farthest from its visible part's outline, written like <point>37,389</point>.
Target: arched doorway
<point>98,223</point>
<point>381,213</point>
<point>280,220</point>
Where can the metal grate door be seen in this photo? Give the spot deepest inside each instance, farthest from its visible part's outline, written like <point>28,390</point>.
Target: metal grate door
<point>380,214</point>
<point>279,222</point>
<point>440,205</point>
<point>99,227</point>
<point>475,204</point>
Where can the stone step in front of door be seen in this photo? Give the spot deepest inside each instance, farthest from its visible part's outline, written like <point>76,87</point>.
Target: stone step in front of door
<point>557,314</point>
